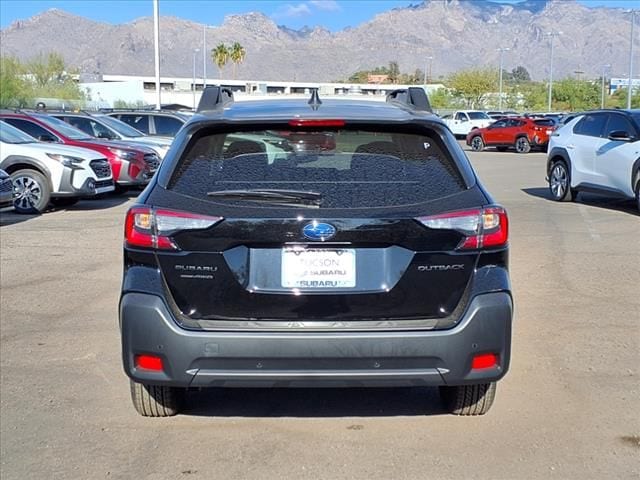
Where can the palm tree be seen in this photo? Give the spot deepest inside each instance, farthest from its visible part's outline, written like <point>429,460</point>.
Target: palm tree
<point>220,56</point>
<point>237,54</point>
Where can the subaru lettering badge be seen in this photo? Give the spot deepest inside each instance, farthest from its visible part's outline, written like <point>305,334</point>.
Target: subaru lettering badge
<point>318,231</point>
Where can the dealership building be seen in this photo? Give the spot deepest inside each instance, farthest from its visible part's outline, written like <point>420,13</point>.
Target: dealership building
<point>105,90</point>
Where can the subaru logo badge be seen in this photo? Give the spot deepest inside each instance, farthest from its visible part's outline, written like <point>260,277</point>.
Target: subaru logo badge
<point>318,231</point>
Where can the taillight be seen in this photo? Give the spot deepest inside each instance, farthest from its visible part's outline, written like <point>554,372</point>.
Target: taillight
<point>485,360</point>
<point>483,228</point>
<point>152,228</point>
<point>312,122</point>
<point>149,362</point>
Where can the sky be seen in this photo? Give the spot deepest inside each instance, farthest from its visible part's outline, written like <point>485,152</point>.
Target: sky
<point>332,14</point>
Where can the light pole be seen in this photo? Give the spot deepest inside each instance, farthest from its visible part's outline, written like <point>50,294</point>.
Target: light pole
<point>552,35</point>
<point>193,85</point>
<point>501,50</point>
<point>427,77</point>
<point>630,84</point>
<point>204,57</point>
<point>156,49</point>
<point>604,70</point>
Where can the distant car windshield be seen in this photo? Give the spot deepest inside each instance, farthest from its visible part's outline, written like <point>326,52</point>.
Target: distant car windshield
<point>64,128</point>
<point>120,127</point>
<point>478,116</point>
<point>348,168</point>
<point>10,134</point>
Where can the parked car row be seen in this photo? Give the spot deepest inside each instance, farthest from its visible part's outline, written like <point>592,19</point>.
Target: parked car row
<point>50,161</point>
<point>153,122</point>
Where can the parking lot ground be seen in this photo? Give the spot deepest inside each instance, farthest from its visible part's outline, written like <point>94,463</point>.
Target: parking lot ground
<point>569,407</point>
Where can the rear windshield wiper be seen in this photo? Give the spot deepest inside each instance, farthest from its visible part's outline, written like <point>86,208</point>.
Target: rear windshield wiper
<point>292,197</point>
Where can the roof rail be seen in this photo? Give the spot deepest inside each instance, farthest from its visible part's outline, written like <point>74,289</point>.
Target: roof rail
<point>214,98</point>
<point>414,97</point>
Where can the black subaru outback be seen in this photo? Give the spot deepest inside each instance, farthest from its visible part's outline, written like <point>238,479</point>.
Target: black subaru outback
<point>365,252</point>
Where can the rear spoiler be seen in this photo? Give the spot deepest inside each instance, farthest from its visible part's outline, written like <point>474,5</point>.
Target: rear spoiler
<point>214,98</point>
<point>414,97</point>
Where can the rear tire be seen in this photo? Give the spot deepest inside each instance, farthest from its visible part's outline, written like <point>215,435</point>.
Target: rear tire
<point>31,191</point>
<point>64,201</point>
<point>156,400</point>
<point>477,144</point>
<point>560,182</point>
<point>638,193</point>
<point>469,399</point>
<point>522,145</point>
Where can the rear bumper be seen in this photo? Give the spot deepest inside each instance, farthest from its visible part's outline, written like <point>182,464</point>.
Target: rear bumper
<point>334,359</point>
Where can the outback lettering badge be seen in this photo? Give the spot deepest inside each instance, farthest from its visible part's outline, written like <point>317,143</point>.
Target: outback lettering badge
<point>439,268</point>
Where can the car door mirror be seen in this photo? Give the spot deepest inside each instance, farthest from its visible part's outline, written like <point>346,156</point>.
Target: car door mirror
<point>463,119</point>
<point>620,136</point>
<point>47,137</point>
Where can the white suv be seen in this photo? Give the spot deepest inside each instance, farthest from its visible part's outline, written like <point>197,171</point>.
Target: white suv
<point>43,172</point>
<point>596,152</point>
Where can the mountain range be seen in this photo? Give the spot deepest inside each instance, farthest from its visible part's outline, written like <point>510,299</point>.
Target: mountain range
<point>458,34</point>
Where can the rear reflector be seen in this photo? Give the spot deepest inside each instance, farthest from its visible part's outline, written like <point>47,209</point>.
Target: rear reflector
<point>149,362</point>
<point>486,360</point>
<point>306,122</point>
<point>483,228</point>
<point>152,228</point>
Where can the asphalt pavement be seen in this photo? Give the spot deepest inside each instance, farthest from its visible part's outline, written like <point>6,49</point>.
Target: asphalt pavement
<point>568,409</point>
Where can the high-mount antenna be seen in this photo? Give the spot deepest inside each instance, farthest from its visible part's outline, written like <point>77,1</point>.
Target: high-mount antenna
<point>314,101</point>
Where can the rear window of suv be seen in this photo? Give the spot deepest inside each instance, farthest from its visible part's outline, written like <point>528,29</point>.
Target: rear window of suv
<point>349,168</point>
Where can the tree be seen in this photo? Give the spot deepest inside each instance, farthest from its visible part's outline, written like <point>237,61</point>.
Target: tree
<point>44,76</point>
<point>572,94</point>
<point>361,76</point>
<point>51,78</point>
<point>619,99</point>
<point>520,75</point>
<point>473,85</point>
<point>119,103</point>
<point>394,72</point>
<point>220,56</point>
<point>46,69</point>
<point>440,99</point>
<point>237,53</point>
<point>15,91</point>
<point>533,96</point>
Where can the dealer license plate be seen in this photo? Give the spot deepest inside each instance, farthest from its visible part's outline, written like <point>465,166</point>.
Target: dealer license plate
<point>309,268</point>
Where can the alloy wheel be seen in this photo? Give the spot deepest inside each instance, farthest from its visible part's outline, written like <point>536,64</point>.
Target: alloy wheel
<point>558,181</point>
<point>27,193</point>
<point>477,144</point>
<point>522,145</point>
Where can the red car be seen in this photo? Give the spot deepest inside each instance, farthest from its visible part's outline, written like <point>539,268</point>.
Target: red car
<point>131,166</point>
<point>521,133</point>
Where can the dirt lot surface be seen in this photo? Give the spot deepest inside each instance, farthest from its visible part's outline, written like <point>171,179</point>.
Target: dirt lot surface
<point>569,407</point>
